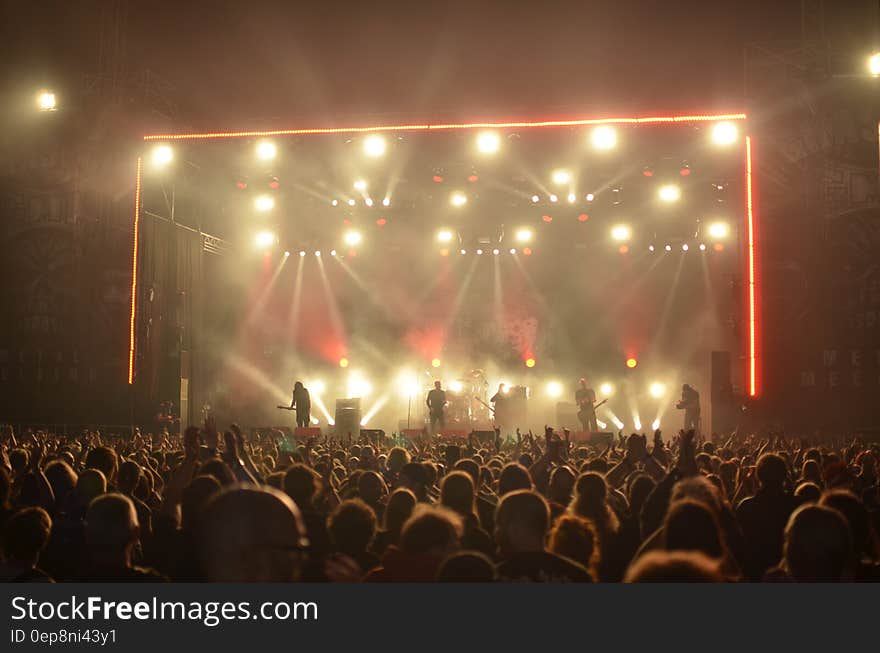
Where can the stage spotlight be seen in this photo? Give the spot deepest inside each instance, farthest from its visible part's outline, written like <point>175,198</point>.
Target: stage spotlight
<point>553,198</point>
<point>479,252</point>
<point>351,202</point>
<point>685,247</point>
<point>445,236</point>
<point>590,197</point>
<point>318,253</point>
<point>724,133</point>
<point>343,362</point>
<point>368,201</point>
<point>456,386</point>
<point>316,387</point>
<point>583,217</point>
<point>572,198</point>
<point>435,362</point>
<point>657,390</point>
<point>606,389</point>
<point>408,385</point>
<point>702,247</point>
<point>873,64</point>
<point>266,150</point>
<point>360,185</point>
<point>530,362</point>
<point>496,252</point>
<point>488,142</point>
<point>668,248</point>
<point>162,155</point>
<point>332,252</point>
<point>46,101</point>
<point>621,232</point>
<point>386,201</point>
<point>650,248</point>
<point>524,235</point>
<point>286,254</point>
<point>624,249</point>
<point>527,251</point>
<point>458,199</point>
<point>302,253</point>
<point>506,387</point>
<point>655,424</point>
<point>353,237</point>
<point>358,386</point>
<point>561,177</point>
<point>513,250</point>
<point>463,252</point>
<point>334,203</point>
<point>669,193</point>
<point>374,146</point>
<point>264,203</point>
<point>535,199</point>
<point>632,363</point>
<point>265,239</point>
<point>554,389</point>
<point>604,138</point>
<point>719,230</point>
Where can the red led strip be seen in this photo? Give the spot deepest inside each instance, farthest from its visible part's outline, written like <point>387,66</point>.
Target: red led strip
<point>472,125</point>
<point>753,371</point>
<point>134,264</point>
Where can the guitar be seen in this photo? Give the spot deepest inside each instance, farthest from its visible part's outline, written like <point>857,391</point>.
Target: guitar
<point>485,404</point>
<point>584,408</point>
<point>285,407</point>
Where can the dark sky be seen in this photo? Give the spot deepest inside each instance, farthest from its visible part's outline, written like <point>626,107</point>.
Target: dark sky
<point>240,63</point>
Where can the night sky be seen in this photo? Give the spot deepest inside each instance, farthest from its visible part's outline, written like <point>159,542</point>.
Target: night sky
<point>271,62</point>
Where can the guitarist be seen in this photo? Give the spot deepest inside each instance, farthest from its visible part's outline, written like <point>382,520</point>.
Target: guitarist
<point>302,403</point>
<point>436,402</point>
<point>585,398</point>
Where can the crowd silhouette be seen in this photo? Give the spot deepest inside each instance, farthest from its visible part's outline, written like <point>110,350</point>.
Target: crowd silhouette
<point>230,507</point>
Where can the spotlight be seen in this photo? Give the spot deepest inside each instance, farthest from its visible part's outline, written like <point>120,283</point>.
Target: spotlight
<point>332,252</point>
<point>496,252</point>
<point>513,250</point>
<point>444,236</point>
<point>590,197</point>
<point>561,177</point>
<point>650,248</point>
<point>632,363</point>
<point>547,218</point>
<point>621,232</point>
<point>264,239</point>
<point>162,155</point>
<point>535,199</point>
<point>583,217</point>
<point>530,362</point>
<point>647,172</point>
<point>264,203</point>
<point>655,424</point>
<point>719,230</point>
<point>351,202</point>
<point>553,198</point>
<point>524,235</point>
<point>368,201</point>
<point>316,387</point>
<point>343,362</point>
<point>604,138</point>
<point>702,247</point>
<point>318,253</point>
<point>669,193</point>
<point>684,247</point>
<point>46,101</point>
<point>374,146</point>
<point>554,389</point>
<point>286,254</point>
<point>724,133</point>
<point>360,185</point>
<point>571,198</point>
<point>657,390</point>
<point>408,384</point>
<point>668,248</point>
<point>527,251</point>
<point>479,252</point>
<point>488,142</point>
<point>435,362</point>
<point>266,150</point>
<point>386,201</point>
<point>456,386</point>
<point>624,249</point>
<point>506,389</point>
<point>458,199</point>
<point>463,252</point>
<point>334,203</point>
<point>873,65</point>
<point>358,386</point>
<point>606,389</point>
<point>353,237</point>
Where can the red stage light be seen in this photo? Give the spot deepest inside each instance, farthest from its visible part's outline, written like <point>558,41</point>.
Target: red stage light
<point>381,222</point>
<point>530,362</point>
<point>134,265</point>
<point>352,253</point>
<point>753,333</point>
<point>631,363</point>
<point>346,222</point>
<point>547,218</point>
<point>718,247</point>
<point>583,217</point>
<point>274,184</point>
<point>444,252</point>
<point>473,178</point>
<point>343,362</point>
<point>624,249</point>
<point>685,171</point>
<point>241,185</point>
<point>527,251</point>
<point>647,172</point>
<point>438,179</point>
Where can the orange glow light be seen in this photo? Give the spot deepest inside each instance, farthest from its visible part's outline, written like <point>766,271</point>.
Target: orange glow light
<point>750,215</point>
<point>530,362</point>
<point>134,266</point>
<point>631,363</point>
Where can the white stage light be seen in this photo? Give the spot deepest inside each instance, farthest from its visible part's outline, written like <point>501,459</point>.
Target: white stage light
<point>386,201</point>
<point>463,252</point>
<point>561,177</point>
<point>513,250</point>
<point>353,237</point>
<point>496,252</point>
<point>685,247</point>
<point>351,202</point>
<point>408,384</point>
<point>479,252</point>
<point>524,235</point>
<point>368,201</point>
<point>46,101</point>
<point>621,233</point>
<point>264,203</point>
<point>604,138</point>
<point>334,203</point>
<point>358,386</point>
<point>554,389</point>
<point>360,185</point>
<point>302,253</point>
<point>535,199</point>
<point>286,254</point>
<point>606,389</point>
<point>458,199</point>
<point>719,230</point>
<point>553,198</point>
<point>445,236</point>
<point>655,424</point>
<point>316,387</point>
<point>265,239</point>
<point>874,64</point>
<point>668,248</point>
<point>590,197</point>
<point>702,247</point>
<point>669,193</point>
<point>657,390</point>
<point>374,146</point>
<point>724,133</point>
<point>266,150</point>
<point>650,248</point>
<point>456,386</point>
<point>162,155</point>
<point>332,252</point>
<point>572,198</point>
<point>488,142</point>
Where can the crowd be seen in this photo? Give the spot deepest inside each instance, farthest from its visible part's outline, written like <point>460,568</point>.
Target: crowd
<point>212,506</point>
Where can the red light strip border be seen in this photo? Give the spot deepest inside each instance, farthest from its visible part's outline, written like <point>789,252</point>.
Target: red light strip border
<point>752,301</point>
<point>472,125</point>
<point>134,266</point>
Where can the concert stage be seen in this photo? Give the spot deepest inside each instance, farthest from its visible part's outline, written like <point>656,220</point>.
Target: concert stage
<point>369,261</point>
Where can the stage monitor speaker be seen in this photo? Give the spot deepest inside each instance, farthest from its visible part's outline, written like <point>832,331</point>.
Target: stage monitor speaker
<point>348,418</point>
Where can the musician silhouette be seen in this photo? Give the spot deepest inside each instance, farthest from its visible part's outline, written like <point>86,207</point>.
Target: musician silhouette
<point>585,398</point>
<point>302,403</point>
<point>690,404</point>
<point>436,402</point>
